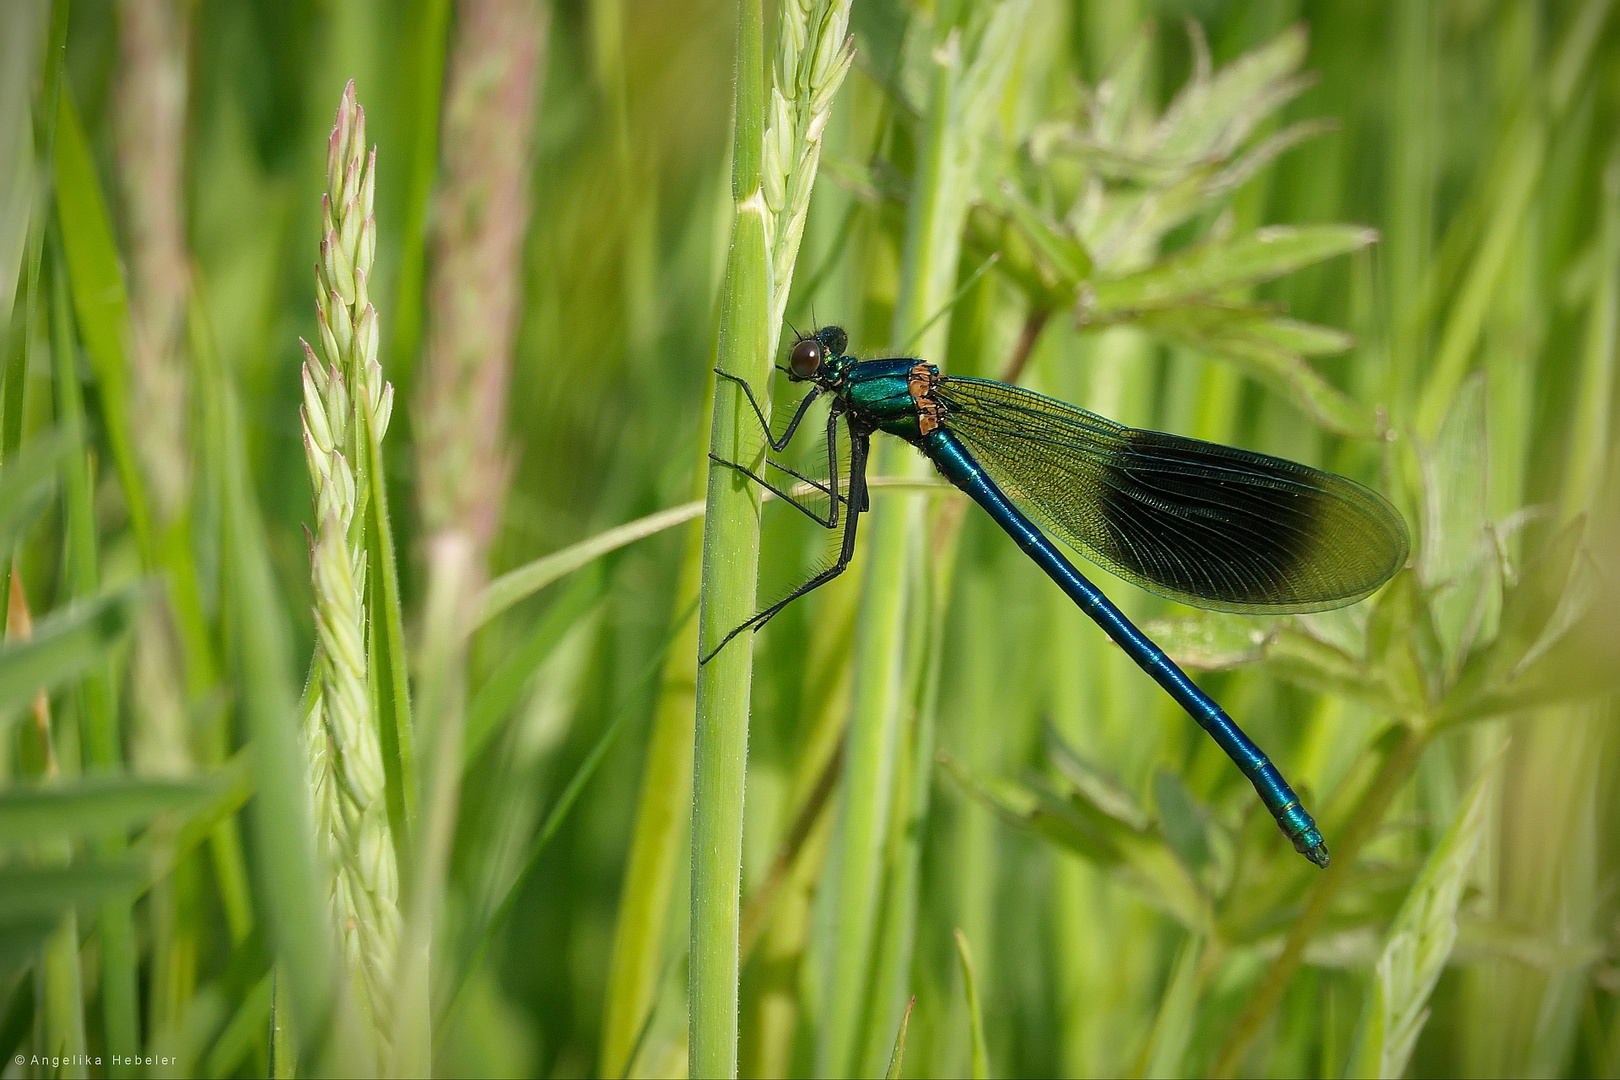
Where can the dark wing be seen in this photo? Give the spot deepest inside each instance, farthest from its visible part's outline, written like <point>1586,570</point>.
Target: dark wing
<point>1208,525</point>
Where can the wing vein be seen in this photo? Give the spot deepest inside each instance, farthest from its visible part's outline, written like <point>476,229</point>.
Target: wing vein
<point>1209,525</point>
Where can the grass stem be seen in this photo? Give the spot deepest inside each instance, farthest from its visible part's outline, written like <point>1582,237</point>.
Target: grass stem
<point>730,569</point>
<point>1397,767</point>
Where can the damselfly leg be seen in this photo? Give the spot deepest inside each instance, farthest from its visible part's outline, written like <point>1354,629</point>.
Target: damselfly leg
<point>829,520</point>
<point>857,501</point>
<point>777,444</point>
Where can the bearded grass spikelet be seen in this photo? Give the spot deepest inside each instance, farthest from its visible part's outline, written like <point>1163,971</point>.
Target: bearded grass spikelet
<point>343,391</point>
<point>814,50</point>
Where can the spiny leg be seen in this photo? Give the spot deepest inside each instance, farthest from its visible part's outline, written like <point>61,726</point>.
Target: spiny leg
<point>857,502</point>
<point>759,414</point>
<point>819,485</point>
<point>830,521</point>
<point>830,488</point>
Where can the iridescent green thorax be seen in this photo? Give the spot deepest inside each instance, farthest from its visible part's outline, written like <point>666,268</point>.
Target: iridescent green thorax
<point>883,393</point>
<point>836,368</point>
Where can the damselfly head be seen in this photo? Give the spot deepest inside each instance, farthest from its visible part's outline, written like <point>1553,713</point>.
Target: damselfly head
<point>811,354</point>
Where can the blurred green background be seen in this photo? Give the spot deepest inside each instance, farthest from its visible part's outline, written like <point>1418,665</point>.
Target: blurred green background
<point>1125,904</point>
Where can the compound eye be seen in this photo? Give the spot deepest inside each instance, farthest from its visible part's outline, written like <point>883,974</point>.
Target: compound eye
<point>806,359</point>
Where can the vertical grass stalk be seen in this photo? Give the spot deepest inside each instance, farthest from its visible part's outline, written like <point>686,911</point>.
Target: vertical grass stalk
<point>730,572</point>
<point>775,152</point>
<point>968,74</point>
<point>1419,944</point>
<point>666,798</point>
<point>475,295</point>
<point>151,104</point>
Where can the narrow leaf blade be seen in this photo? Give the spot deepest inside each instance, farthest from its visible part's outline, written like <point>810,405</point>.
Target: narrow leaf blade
<point>92,806</point>
<point>64,646</point>
<point>1207,269</point>
<point>981,1054</point>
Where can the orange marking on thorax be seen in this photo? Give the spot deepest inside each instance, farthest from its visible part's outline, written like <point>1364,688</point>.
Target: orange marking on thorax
<point>920,381</point>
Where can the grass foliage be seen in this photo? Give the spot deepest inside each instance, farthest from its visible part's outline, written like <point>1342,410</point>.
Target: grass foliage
<point>1381,238</point>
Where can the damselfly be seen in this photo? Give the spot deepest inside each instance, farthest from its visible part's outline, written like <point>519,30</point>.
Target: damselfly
<point>1208,525</point>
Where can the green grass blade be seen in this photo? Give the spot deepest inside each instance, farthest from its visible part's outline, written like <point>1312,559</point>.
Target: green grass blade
<point>429,22</point>
<point>968,71</point>
<point>1589,438</point>
<point>102,306</point>
<point>970,985</point>
<point>1419,943</point>
<point>92,807</point>
<point>20,943</point>
<point>490,927</point>
<point>120,988</point>
<point>244,1033</point>
<point>65,645</point>
<point>494,700</point>
<point>898,1057</point>
<point>29,893</point>
<point>390,684</point>
<point>528,579</point>
<point>1207,269</point>
<point>1513,178</point>
<point>229,791</point>
<point>908,828</point>
<point>1172,1031</point>
<point>29,480</point>
<point>103,751</point>
<point>100,300</point>
<point>636,967</point>
<point>875,713</point>
<point>518,585</point>
<point>22,30</point>
<point>64,998</point>
<point>20,339</point>
<point>283,1051</point>
<point>84,571</point>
